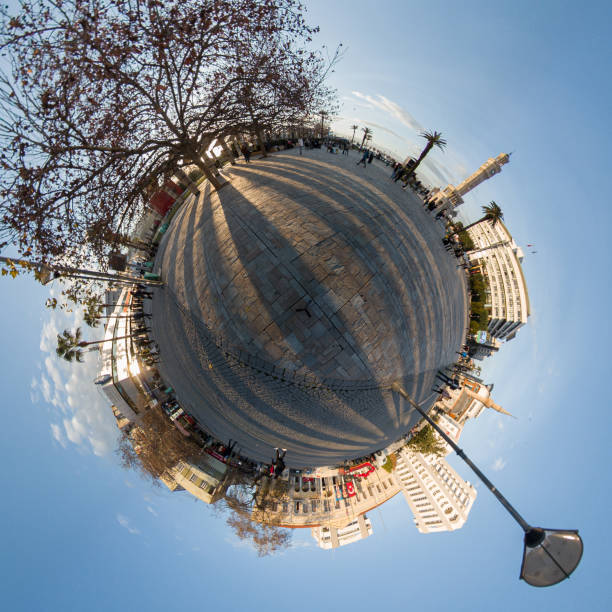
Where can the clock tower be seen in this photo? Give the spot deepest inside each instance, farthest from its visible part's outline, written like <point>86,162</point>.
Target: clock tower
<point>452,196</point>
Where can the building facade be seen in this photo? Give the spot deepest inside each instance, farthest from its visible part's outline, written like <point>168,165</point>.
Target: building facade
<point>119,371</point>
<point>451,196</point>
<point>333,537</point>
<point>329,501</point>
<point>121,380</point>
<point>499,259</point>
<point>438,497</point>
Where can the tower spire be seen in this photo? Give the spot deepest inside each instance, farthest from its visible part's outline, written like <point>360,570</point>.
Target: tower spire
<point>488,402</point>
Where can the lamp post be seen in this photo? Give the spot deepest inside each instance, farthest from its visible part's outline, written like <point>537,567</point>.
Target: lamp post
<point>549,555</point>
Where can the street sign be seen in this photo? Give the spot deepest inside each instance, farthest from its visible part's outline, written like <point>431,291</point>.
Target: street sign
<point>481,337</point>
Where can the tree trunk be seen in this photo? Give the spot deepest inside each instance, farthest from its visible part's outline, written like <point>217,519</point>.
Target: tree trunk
<point>190,185</point>
<point>262,144</point>
<point>424,153</point>
<point>117,317</point>
<point>227,150</point>
<point>237,143</point>
<point>209,175</point>
<point>92,342</point>
<point>79,273</point>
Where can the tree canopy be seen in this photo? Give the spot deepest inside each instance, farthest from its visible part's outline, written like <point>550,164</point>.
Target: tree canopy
<point>102,99</point>
<point>248,503</point>
<point>427,442</point>
<point>156,446</point>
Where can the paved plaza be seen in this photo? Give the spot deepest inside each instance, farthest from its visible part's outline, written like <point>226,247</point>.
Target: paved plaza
<point>295,296</point>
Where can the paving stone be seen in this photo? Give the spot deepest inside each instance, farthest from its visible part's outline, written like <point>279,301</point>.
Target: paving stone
<point>386,302</point>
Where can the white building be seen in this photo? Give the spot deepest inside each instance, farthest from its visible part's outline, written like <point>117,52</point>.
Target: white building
<point>119,372</point>
<point>499,260</point>
<point>438,497</point>
<point>328,501</point>
<point>452,196</point>
<point>332,537</point>
<point>121,381</point>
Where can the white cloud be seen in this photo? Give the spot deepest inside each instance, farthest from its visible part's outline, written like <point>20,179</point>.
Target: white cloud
<point>381,127</point>
<point>499,464</point>
<point>125,523</point>
<point>392,108</point>
<point>356,103</point>
<point>302,543</point>
<point>152,511</point>
<point>57,433</point>
<point>85,416</point>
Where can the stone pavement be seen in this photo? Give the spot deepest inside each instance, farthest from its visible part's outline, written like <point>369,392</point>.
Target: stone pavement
<point>295,296</point>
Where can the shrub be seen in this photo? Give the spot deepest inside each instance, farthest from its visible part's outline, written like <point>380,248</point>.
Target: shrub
<point>390,463</point>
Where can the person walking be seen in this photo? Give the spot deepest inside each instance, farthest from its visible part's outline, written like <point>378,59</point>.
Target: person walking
<point>371,157</point>
<point>229,449</point>
<point>364,158</point>
<point>345,149</point>
<point>247,153</point>
<point>279,464</point>
<point>300,145</point>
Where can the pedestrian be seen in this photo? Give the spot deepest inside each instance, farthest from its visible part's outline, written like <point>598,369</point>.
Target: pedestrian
<point>345,149</point>
<point>300,145</point>
<point>371,157</point>
<point>279,464</point>
<point>364,158</point>
<point>246,152</point>
<point>143,294</point>
<point>229,449</point>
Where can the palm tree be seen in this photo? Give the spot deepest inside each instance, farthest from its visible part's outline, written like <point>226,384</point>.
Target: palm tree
<point>92,317</point>
<point>434,139</point>
<point>492,212</point>
<point>69,345</point>
<point>354,128</point>
<point>323,117</point>
<point>366,132</point>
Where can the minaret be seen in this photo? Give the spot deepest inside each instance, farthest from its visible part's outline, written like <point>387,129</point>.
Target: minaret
<point>451,196</point>
<point>487,401</point>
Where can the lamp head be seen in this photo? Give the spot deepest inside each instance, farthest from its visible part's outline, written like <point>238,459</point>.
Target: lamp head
<point>550,555</point>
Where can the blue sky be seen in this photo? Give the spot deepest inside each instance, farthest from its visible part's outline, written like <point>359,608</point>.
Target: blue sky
<point>533,78</point>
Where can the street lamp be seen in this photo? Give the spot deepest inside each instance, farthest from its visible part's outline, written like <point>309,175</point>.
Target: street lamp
<point>549,555</point>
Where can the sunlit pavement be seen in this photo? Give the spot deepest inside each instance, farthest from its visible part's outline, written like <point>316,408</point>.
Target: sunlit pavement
<point>295,296</point>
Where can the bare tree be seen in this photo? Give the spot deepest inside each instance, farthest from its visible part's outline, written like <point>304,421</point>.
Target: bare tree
<point>247,502</point>
<point>266,539</point>
<point>104,98</point>
<point>155,447</point>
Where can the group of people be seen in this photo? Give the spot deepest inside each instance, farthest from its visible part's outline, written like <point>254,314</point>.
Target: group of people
<point>400,172</point>
<point>366,157</point>
<point>148,349</point>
